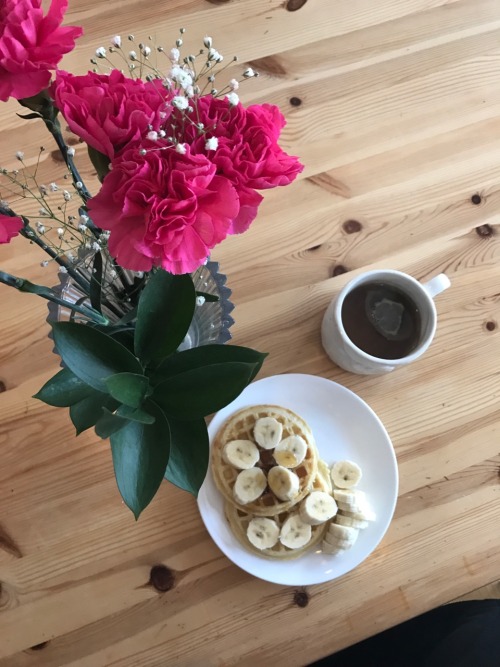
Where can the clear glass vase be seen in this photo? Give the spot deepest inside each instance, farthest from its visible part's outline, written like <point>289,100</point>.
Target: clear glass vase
<point>211,321</point>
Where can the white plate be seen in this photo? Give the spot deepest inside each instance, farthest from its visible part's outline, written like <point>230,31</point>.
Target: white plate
<point>344,428</point>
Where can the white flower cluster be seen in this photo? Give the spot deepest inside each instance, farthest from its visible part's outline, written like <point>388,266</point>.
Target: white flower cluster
<point>186,79</point>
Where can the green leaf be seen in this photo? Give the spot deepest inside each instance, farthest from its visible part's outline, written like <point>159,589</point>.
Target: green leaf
<point>92,355</point>
<point>206,355</point>
<point>96,283</point>
<point>140,457</point>
<point>128,388</point>
<point>129,317</point>
<point>41,103</point>
<point>86,412</point>
<point>165,311</point>
<point>100,162</point>
<point>108,423</point>
<point>63,390</point>
<point>136,415</point>
<point>126,338</point>
<point>28,116</point>
<point>189,454</point>
<point>201,391</point>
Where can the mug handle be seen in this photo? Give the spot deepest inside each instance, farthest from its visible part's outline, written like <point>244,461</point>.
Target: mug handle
<point>437,285</point>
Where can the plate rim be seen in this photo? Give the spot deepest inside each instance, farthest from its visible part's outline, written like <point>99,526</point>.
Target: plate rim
<point>203,498</point>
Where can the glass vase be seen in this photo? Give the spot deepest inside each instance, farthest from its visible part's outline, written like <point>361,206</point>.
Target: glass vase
<point>211,320</point>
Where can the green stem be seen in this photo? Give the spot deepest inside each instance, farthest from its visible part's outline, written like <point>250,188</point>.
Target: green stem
<point>30,234</point>
<point>46,293</point>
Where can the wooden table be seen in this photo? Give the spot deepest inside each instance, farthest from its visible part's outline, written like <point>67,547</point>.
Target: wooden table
<point>394,108</point>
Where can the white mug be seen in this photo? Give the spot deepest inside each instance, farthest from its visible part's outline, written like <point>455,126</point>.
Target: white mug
<point>347,355</point>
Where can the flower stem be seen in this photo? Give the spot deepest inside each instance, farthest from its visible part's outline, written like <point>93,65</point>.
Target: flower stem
<point>30,234</point>
<point>46,293</point>
<point>54,128</point>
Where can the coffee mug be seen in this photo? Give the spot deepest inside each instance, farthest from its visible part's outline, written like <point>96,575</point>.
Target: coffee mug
<point>346,354</point>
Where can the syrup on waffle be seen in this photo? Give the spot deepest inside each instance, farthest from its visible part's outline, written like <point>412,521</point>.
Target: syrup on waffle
<point>240,427</point>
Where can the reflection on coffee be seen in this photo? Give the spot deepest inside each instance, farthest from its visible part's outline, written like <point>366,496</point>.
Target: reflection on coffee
<point>381,320</point>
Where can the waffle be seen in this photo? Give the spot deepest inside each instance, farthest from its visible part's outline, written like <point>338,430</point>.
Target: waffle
<point>240,427</point>
<point>239,519</point>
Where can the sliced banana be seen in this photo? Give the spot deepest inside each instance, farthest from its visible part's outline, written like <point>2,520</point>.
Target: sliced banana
<point>324,471</point>
<point>317,508</point>
<point>362,512</point>
<point>342,536</point>
<point>336,546</point>
<point>331,549</point>
<point>351,521</point>
<point>346,474</point>
<point>283,483</point>
<point>263,533</point>
<point>249,485</point>
<point>267,432</point>
<point>295,533</point>
<point>241,454</point>
<point>291,451</point>
<point>348,499</point>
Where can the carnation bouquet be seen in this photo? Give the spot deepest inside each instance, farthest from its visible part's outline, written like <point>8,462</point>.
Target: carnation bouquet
<point>179,161</point>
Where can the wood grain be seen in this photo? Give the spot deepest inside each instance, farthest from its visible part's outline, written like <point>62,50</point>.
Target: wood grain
<point>394,107</point>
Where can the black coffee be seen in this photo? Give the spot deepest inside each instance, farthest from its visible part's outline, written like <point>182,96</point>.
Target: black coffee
<point>381,320</point>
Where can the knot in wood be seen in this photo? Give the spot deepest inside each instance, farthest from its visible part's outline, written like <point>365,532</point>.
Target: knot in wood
<point>491,325</point>
<point>162,578</point>
<point>352,226</point>
<point>301,598</point>
<point>2,386</point>
<point>295,101</point>
<point>40,646</point>
<point>338,270</point>
<point>56,156</point>
<point>484,231</point>
<point>476,199</point>
<point>294,5</point>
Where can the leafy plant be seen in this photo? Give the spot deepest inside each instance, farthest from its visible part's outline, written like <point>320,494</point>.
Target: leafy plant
<point>149,399</point>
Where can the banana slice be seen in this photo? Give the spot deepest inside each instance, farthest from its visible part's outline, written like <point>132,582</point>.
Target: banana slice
<point>331,546</point>
<point>342,537</point>
<point>345,474</point>
<point>363,511</point>
<point>291,451</point>
<point>241,454</point>
<point>317,508</point>
<point>295,533</point>
<point>267,432</point>
<point>351,521</point>
<point>249,485</point>
<point>324,471</point>
<point>263,533</point>
<point>330,549</point>
<point>283,483</point>
<point>349,500</point>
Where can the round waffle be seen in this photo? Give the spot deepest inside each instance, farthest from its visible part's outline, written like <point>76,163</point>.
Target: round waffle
<point>238,520</point>
<point>240,427</point>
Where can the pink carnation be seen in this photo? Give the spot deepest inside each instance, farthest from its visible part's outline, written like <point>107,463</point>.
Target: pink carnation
<point>31,45</point>
<point>248,152</point>
<point>109,111</point>
<point>9,227</point>
<point>164,209</point>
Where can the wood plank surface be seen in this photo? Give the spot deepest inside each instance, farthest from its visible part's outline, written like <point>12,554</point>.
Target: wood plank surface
<point>394,107</point>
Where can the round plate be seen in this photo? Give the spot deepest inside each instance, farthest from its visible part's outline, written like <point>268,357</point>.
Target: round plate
<point>344,427</point>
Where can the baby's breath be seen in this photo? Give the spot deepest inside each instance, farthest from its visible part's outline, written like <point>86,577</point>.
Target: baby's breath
<point>187,78</point>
